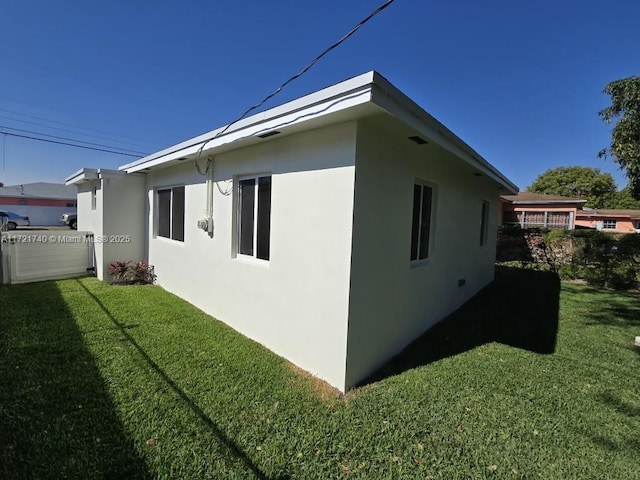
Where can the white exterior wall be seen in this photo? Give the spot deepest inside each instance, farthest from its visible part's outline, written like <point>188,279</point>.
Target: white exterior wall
<point>118,220</point>
<point>297,304</point>
<point>39,215</point>
<point>391,301</point>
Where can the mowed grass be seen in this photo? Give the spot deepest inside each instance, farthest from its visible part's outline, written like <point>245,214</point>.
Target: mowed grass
<point>132,382</point>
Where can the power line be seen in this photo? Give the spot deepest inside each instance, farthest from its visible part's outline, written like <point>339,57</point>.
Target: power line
<point>287,82</point>
<point>138,142</point>
<point>71,131</point>
<point>308,67</point>
<point>72,140</point>
<point>68,144</point>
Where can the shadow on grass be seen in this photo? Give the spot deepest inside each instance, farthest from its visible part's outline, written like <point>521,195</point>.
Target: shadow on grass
<point>57,419</point>
<point>520,309</point>
<point>618,314</point>
<point>233,449</point>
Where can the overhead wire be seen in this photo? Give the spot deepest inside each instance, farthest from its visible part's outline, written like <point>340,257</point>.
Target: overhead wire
<point>68,144</point>
<point>72,140</point>
<point>124,142</point>
<point>138,141</point>
<point>284,84</point>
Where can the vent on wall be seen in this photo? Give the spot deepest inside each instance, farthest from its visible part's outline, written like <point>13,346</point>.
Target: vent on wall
<point>269,134</point>
<point>418,140</point>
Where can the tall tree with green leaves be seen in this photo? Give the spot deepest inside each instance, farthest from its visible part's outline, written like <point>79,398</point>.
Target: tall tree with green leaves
<point>624,200</point>
<point>581,182</point>
<point>625,136</point>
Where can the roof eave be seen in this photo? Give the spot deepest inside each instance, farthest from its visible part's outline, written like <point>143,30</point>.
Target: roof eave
<point>81,176</point>
<point>396,103</point>
<point>346,94</point>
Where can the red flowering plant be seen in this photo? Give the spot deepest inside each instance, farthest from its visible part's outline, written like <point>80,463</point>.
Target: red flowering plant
<point>129,273</point>
<point>120,271</point>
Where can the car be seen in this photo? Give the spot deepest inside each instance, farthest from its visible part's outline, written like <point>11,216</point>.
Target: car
<point>70,220</point>
<point>13,220</point>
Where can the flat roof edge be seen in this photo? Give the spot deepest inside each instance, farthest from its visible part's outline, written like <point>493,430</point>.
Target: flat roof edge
<point>306,101</point>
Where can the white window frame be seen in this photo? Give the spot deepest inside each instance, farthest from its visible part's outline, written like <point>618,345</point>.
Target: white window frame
<point>609,222</point>
<point>171,188</point>
<point>256,201</point>
<point>432,214</point>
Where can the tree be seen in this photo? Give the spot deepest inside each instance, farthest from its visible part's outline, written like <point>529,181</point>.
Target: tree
<point>584,182</point>
<point>623,199</point>
<point>625,136</point>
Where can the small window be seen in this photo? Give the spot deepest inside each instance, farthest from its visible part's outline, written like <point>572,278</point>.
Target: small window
<point>421,221</point>
<point>94,195</point>
<point>171,213</point>
<point>609,224</point>
<point>254,216</point>
<point>484,223</point>
<point>72,205</point>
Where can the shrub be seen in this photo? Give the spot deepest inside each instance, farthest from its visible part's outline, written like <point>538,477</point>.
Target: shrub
<point>129,273</point>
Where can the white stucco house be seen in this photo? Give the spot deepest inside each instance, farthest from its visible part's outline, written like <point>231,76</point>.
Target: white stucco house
<point>333,229</point>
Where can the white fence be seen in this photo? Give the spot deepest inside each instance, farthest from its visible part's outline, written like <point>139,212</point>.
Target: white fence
<point>32,256</point>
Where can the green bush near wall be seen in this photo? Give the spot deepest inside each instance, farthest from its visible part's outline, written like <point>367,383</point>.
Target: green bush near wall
<point>601,259</point>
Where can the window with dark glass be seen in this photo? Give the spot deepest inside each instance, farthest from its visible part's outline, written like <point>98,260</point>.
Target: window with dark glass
<point>254,216</point>
<point>171,213</point>
<point>484,223</point>
<point>421,221</point>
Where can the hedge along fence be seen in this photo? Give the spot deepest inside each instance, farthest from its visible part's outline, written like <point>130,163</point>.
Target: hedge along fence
<point>600,258</point>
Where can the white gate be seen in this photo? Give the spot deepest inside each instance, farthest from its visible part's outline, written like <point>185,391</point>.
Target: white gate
<point>32,256</point>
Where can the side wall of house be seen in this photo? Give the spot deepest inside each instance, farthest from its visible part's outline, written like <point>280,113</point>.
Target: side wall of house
<point>90,220</point>
<point>392,299</point>
<point>296,304</point>
<point>117,221</point>
<point>124,209</point>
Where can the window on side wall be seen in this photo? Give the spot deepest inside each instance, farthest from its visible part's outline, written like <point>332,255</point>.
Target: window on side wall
<point>421,221</point>
<point>94,197</point>
<point>171,213</point>
<point>254,216</point>
<point>484,223</point>
<point>609,224</point>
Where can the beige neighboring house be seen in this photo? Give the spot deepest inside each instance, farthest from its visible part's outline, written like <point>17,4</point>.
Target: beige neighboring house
<point>610,220</point>
<point>333,229</point>
<point>538,210</point>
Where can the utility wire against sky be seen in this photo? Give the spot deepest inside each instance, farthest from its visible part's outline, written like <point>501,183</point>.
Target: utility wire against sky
<point>288,81</point>
<point>109,149</point>
<point>72,140</point>
<point>68,144</point>
<point>138,142</point>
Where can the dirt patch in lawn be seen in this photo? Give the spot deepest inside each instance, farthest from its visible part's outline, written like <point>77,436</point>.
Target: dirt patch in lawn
<point>320,388</point>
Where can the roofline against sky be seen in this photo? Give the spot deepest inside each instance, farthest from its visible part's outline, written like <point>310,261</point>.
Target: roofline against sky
<point>88,174</point>
<point>370,88</point>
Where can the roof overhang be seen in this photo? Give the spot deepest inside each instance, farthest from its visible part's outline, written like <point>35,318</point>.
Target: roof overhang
<point>88,174</point>
<point>546,202</point>
<point>358,97</point>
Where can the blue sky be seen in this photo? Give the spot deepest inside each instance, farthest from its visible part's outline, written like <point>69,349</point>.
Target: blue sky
<point>520,81</point>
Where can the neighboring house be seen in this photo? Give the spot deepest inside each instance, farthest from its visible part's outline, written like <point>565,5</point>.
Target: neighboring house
<point>333,229</point>
<point>538,210</point>
<point>609,220</point>
<point>42,202</point>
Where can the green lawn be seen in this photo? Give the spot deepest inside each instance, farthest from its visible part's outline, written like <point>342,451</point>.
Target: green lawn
<point>132,382</point>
